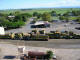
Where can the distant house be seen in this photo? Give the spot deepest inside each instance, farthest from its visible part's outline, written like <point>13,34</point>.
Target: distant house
<point>41,24</point>
<point>2,32</point>
<point>11,16</point>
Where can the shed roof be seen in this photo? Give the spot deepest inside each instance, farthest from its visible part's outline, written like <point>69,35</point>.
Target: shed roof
<point>41,22</point>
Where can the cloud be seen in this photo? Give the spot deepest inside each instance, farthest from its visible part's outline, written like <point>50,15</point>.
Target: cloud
<point>70,3</point>
<point>60,3</point>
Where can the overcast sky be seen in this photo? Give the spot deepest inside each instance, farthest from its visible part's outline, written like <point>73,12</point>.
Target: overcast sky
<point>17,4</point>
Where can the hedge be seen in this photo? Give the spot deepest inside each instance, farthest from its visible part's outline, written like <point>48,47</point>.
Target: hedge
<point>4,36</point>
<point>39,37</point>
<point>54,35</point>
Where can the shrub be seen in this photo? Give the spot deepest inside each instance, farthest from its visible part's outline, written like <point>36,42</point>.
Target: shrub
<point>40,37</point>
<point>66,37</point>
<point>5,36</point>
<point>42,32</point>
<point>54,35</point>
<point>26,36</point>
<point>57,36</point>
<point>71,33</point>
<point>35,31</point>
<point>49,54</point>
<point>12,36</point>
<point>52,31</point>
<point>50,35</point>
<point>18,36</point>
<point>76,36</point>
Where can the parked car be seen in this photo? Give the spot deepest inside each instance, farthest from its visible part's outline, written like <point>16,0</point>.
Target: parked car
<point>78,28</point>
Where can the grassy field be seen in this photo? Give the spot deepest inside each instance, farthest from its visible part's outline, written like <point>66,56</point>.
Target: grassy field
<point>40,10</point>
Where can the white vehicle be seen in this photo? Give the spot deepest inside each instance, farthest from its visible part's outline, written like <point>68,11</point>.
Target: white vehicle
<point>2,32</point>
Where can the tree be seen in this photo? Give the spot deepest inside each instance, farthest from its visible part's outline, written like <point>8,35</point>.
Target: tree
<point>39,15</point>
<point>17,18</point>
<point>67,19</point>
<point>24,18</point>
<point>78,19</point>
<point>17,12</point>
<point>11,14</point>
<point>26,15</point>
<point>3,22</point>
<point>35,14</point>
<point>61,17</point>
<point>46,17</point>
<point>53,13</point>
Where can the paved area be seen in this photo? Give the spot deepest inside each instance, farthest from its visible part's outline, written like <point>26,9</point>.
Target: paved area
<point>69,27</point>
<point>60,26</point>
<point>62,54</point>
<point>63,44</point>
<point>23,29</point>
<point>7,50</point>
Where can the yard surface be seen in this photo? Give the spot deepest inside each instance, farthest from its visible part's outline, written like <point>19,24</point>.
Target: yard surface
<point>54,43</point>
<point>60,26</point>
<point>64,49</point>
<point>9,49</point>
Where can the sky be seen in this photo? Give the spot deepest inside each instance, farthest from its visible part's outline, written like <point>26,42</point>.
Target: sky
<point>19,4</point>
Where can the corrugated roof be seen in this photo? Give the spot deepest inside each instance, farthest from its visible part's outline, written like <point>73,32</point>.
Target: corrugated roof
<point>39,23</point>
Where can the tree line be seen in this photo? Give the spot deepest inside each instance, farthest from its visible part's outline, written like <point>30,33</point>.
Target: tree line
<point>19,19</point>
<point>10,21</point>
<point>46,16</point>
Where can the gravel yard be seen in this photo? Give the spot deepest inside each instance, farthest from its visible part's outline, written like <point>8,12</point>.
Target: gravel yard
<point>60,26</point>
<point>7,49</point>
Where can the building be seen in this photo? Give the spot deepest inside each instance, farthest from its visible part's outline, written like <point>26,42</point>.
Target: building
<point>2,32</point>
<point>11,16</point>
<point>40,24</point>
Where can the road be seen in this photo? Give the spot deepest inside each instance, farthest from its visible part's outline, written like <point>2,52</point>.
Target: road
<point>64,44</point>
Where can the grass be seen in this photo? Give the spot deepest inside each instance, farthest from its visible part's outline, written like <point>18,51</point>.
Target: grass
<point>72,18</point>
<point>40,10</point>
<point>55,18</point>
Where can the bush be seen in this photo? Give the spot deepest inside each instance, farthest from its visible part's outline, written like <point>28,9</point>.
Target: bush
<point>5,36</point>
<point>71,33</point>
<point>54,35</point>
<point>66,37</point>
<point>50,35</point>
<point>42,32</point>
<point>12,36</point>
<point>26,36</point>
<point>34,31</point>
<point>18,36</point>
<point>76,36</point>
<point>49,54</point>
<point>52,31</point>
<point>39,37</point>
